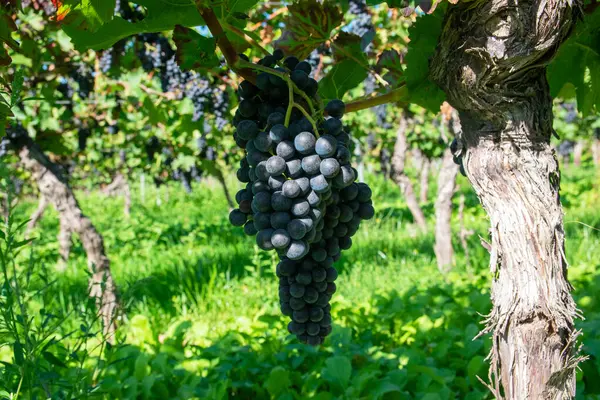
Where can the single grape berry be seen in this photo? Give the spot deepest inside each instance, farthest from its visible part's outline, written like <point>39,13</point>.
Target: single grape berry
<point>326,146</point>
<point>311,164</point>
<point>285,150</point>
<point>291,189</point>
<point>279,202</point>
<point>329,167</point>
<point>297,250</point>
<point>304,66</point>
<point>237,218</point>
<point>262,220</point>
<point>278,133</point>
<point>335,108</point>
<point>247,129</point>
<point>263,239</point>
<point>300,208</point>
<point>280,239</point>
<point>293,168</point>
<point>263,142</point>
<point>276,165</point>
<point>319,184</point>
<point>300,78</point>
<point>280,219</point>
<point>297,229</point>
<point>305,142</point>
<point>332,126</point>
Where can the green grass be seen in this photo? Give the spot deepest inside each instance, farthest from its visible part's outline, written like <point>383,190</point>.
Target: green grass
<point>203,319</point>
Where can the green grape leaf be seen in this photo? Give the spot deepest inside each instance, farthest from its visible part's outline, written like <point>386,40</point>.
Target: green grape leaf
<point>309,24</point>
<point>88,15</point>
<point>194,51</point>
<point>338,370</point>
<point>349,46</point>
<point>161,16</point>
<point>424,34</point>
<point>278,381</point>
<point>235,8</point>
<point>342,77</point>
<point>576,68</point>
<point>392,61</point>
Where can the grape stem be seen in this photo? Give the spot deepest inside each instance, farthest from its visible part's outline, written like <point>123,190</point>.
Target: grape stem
<point>292,89</point>
<point>215,28</point>
<point>399,94</point>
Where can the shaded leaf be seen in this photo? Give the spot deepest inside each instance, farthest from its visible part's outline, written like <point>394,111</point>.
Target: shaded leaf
<point>278,381</point>
<point>308,25</point>
<point>194,51</point>
<point>577,63</point>
<point>341,78</point>
<point>423,34</point>
<point>338,371</point>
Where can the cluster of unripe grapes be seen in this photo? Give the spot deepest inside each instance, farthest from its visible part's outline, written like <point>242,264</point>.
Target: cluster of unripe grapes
<point>301,198</point>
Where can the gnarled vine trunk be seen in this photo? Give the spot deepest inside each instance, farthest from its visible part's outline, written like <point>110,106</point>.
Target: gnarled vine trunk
<point>491,61</point>
<point>54,187</point>
<point>401,179</point>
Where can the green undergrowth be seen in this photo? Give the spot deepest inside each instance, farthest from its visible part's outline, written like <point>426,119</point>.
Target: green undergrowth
<point>202,320</point>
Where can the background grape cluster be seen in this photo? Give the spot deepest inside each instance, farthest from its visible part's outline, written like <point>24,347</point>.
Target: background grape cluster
<point>301,198</point>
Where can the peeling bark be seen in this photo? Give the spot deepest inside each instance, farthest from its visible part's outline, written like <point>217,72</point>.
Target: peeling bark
<point>54,187</point>
<point>120,187</point>
<point>596,151</point>
<point>401,179</point>
<point>443,213</point>
<point>64,242</point>
<point>424,180</point>
<point>464,234</point>
<point>491,61</point>
<point>578,153</point>
<point>38,213</point>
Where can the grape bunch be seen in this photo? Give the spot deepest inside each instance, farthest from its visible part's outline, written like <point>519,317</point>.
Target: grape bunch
<point>362,22</point>
<point>83,75</point>
<point>4,146</point>
<point>300,197</point>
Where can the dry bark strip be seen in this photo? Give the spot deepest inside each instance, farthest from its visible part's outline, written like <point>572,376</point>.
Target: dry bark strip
<point>120,187</point>
<point>54,187</point>
<point>490,61</point>
<point>424,180</point>
<point>596,151</point>
<point>444,252</point>
<point>38,213</point>
<point>399,175</point>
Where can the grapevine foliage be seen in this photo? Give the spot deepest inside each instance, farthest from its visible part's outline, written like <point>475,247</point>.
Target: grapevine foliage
<point>300,197</point>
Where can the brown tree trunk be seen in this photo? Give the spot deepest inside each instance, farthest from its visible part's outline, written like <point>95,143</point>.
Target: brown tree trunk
<point>120,186</point>
<point>578,153</point>
<point>55,188</point>
<point>424,180</point>
<point>596,151</point>
<point>443,213</point>
<point>65,243</point>
<point>38,213</point>
<point>491,63</point>
<point>401,179</point>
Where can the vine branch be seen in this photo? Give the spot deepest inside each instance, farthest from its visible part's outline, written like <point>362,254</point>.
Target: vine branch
<point>215,28</point>
<point>393,96</point>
